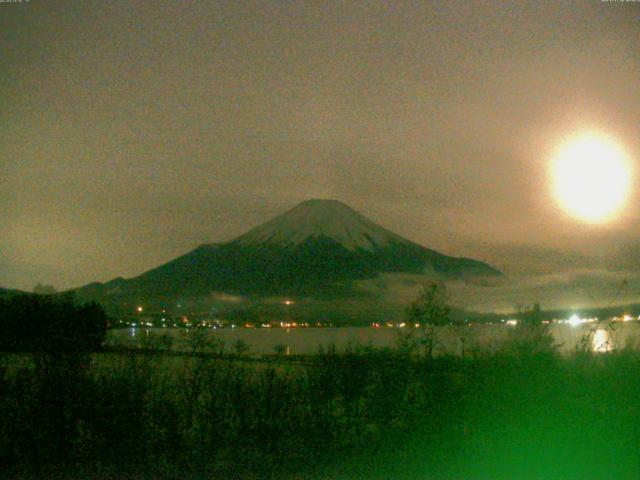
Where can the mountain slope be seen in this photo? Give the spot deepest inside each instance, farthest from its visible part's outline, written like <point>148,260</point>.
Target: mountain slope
<point>318,246</point>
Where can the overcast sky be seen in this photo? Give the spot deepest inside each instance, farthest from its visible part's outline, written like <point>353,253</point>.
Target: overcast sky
<point>131,131</point>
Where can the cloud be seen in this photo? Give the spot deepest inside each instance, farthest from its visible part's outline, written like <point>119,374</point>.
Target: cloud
<point>227,297</point>
<point>577,289</point>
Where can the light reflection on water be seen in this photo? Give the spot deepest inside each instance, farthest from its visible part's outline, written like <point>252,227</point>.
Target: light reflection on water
<point>601,341</point>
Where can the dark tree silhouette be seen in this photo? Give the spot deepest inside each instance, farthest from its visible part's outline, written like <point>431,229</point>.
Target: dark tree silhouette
<point>38,323</point>
<point>429,310</point>
<point>530,315</point>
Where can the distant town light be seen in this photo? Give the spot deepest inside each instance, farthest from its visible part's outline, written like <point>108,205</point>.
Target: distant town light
<point>139,309</point>
<point>512,322</point>
<point>574,320</point>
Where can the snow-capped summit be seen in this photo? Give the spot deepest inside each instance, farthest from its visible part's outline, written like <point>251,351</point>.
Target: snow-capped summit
<point>314,219</point>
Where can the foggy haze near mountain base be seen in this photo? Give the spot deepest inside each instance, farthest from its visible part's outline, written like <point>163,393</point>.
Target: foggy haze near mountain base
<point>584,289</point>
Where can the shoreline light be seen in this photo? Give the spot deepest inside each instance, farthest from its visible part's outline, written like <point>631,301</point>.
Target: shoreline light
<point>574,320</point>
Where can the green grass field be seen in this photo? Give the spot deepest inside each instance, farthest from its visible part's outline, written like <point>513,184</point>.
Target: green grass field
<point>515,413</point>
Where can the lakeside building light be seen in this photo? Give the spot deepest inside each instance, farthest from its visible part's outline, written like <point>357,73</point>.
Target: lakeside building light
<point>574,320</point>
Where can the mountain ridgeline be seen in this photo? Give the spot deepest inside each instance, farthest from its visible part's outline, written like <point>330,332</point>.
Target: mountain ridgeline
<point>319,246</point>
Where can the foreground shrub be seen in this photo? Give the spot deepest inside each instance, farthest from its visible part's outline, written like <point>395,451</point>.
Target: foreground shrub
<point>518,413</point>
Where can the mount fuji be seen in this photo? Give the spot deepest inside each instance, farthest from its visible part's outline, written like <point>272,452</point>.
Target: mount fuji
<point>317,246</point>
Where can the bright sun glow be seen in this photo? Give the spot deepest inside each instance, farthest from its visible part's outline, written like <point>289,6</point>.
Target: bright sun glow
<point>591,177</point>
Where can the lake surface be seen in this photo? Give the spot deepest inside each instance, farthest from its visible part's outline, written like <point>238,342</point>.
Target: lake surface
<point>599,337</point>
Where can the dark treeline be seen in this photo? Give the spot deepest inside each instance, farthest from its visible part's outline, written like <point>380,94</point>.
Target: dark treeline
<point>48,323</point>
<point>522,411</point>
